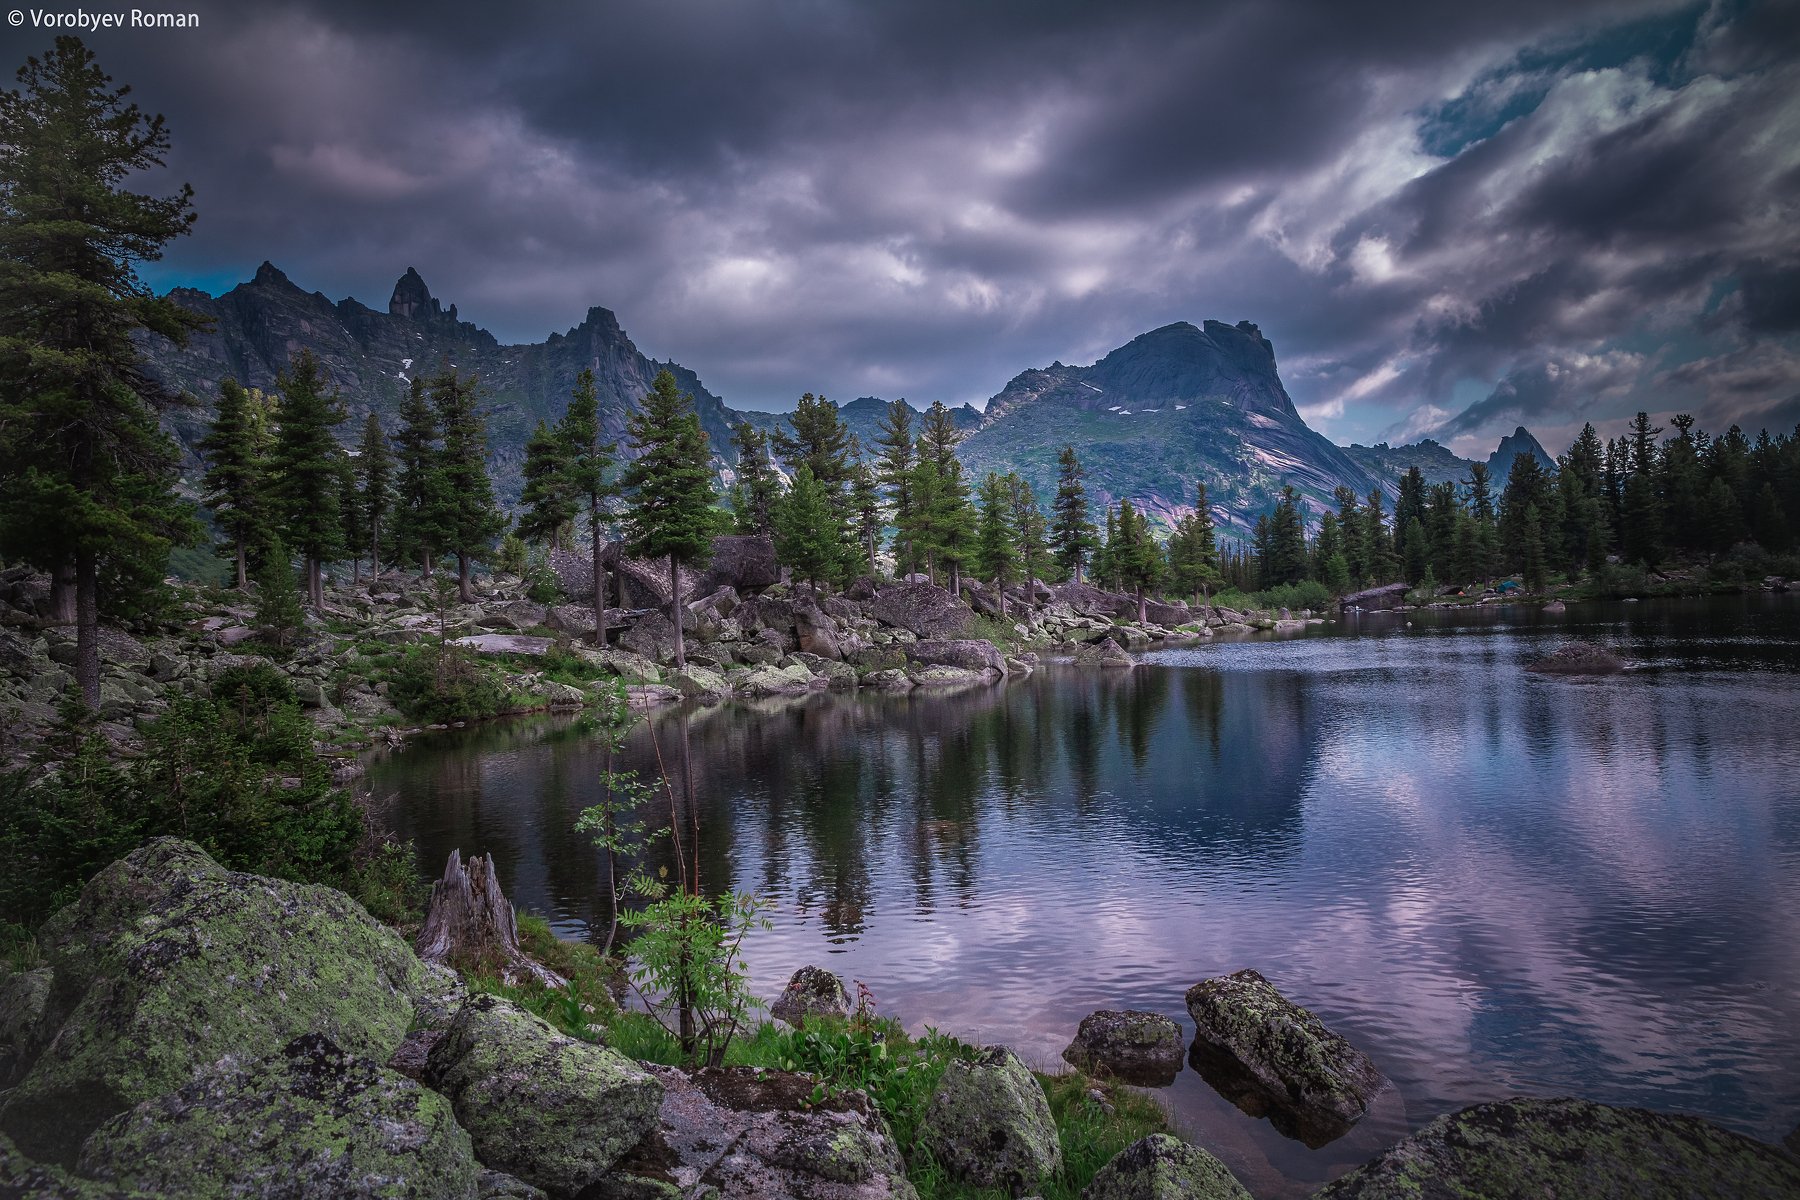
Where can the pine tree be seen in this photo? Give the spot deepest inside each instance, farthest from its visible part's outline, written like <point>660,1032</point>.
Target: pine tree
<point>919,533</point>
<point>865,510</point>
<point>587,462</point>
<point>375,485</point>
<point>1028,523</point>
<point>279,617</point>
<point>1527,488</point>
<point>305,471</point>
<point>894,471</point>
<point>820,440</point>
<point>1531,544</point>
<point>86,473</point>
<point>473,520</point>
<point>355,532</point>
<point>1193,550</point>
<point>1640,517</point>
<point>1108,554</point>
<point>757,490</point>
<point>1350,524</point>
<point>421,504</point>
<point>1408,508</point>
<point>671,514</point>
<point>809,535</point>
<point>1138,561</point>
<point>234,477</point>
<point>548,500</point>
<point>1072,535</point>
<point>1287,542</point>
<point>1417,561</point>
<point>1377,544</point>
<point>997,549</point>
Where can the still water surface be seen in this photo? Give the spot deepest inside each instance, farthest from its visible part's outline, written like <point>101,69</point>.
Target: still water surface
<point>1494,883</point>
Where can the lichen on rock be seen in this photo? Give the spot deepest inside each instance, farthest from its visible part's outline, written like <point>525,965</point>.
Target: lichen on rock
<point>1160,1167</point>
<point>812,992</point>
<point>989,1124</point>
<point>1140,1048</point>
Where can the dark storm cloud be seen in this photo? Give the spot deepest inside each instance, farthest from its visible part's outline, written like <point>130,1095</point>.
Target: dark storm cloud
<point>1412,200</point>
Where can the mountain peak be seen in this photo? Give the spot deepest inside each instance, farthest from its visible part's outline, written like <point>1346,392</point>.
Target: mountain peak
<point>1512,446</point>
<point>270,274</point>
<point>411,298</point>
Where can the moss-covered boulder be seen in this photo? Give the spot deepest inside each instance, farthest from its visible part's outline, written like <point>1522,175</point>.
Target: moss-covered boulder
<point>23,1179</point>
<point>1160,1167</point>
<point>497,1185</point>
<point>1273,1058</point>
<point>554,1111</point>
<point>1523,1147</point>
<point>24,1020</point>
<point>989,1124</point>
<point>812,992</point>
<point>311,1123</point>
<point>168,962</point>
<point>1140,1048</point>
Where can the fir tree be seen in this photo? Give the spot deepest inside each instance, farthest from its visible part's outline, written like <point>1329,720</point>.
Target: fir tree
<point>375,485</point>
<point>1072,535</point>
<point>809,535</point>
<point>894,471</point>
<point>1138,562</point>
<point>671,513</point>
<point>757,490</point>
<point>305,469</point>
<point>234,477</point>
<point>86,473</point>
<point>350,513</point>
<point>865,510</point>
<point>1377,544</point>
<point>588,459</point>
<point>820,440</point>
<point>1193,550</point>
<point>279,617</point>
<point>1286,550</point>
<point>952,517</point>
<point>473,520</point>
<point>548,500</point>
<point>421,505</point>
<point>997,549</point>
<point>1028,523</point>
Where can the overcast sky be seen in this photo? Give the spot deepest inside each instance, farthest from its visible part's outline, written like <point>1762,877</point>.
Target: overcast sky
<point>1449,218</point>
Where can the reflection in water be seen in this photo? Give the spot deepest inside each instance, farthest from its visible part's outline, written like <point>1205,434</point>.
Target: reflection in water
<point>1492,882</point>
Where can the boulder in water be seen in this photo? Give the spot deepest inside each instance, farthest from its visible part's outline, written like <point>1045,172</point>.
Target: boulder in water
<point>1579,658</point>
<point>1141,1048</point>
<point>812,992</point>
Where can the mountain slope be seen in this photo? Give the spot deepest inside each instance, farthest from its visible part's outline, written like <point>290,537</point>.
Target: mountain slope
<point>370,356</point>
<point>1520,441</point>
<point>1172,406</point>
<point>1436,462</point>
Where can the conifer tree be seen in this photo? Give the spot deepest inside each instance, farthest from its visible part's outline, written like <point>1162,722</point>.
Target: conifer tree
<point>952,517</point>
<point>1193,549</point>
<point>865,510</point>
<point>920,532</point>
<point>588,461</point>
<point>304,465</point>
<point>548,500</point>
<point>1481,510</point>
<point>820,440</point>
<point>354,531</point>
<point>473,520</point>
<point>234,480</point>
<point>809,533</point>
<point>1138,561</point>
<point>86,473</point>
<point>1108,554</point>
<point>1286,553</point>
<point>1377,543</point>
<point>1028,524</point>
<point>421,504</point>
<point>1072,535</point>
<point>894,471</point>
<point>375,485</point>
<point>756,491</point>
<point>671,514</point>
<point>997,550</point>
<point>1350,525</point>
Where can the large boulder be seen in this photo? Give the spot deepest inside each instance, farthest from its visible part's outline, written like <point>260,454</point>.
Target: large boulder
<point>970,654</point>
<point>770,680</point>
<point>1579,658</point>
<point>745,562</point>
<point>1273,1058</point>
<point>1569,1148</point>
<point>742,1134</point>
<point>816,632</point>
<point>921,609</point>
<point>1377,598</point>
<point>1160,1167</point>
<point>24,1020</point>
<point>1104,653</point>
<point>651,636</point>
<point>1141,1048</point>
<point>989,1124</point>
<point>168,962</point>
<point>310,1122</point>
<point>553,1111</point>
<point>1088,601</point>
<point>700,683</point>
<point>505,643</point>
<point>1158,613</point>
<point>812,992</point>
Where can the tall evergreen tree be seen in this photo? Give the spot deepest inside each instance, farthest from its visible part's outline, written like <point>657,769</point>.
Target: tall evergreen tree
<point>354,531</point>
<point>952,517</point>
<point>809,531</point>
<point>1071,533</point>
<point>421,508</point>
<point>865,511</point>
<point>548,501</point>
<point>473,519</point>
<point>375,484</point>
<point>86,473</point>
<point>757,490</point>
<point>234,480</point>
<point>997,547</point>
<point>1377,544</point>
<point>1028,523</point>
<point>819,440</point>
<point>1193,549</point>
<point>894,471</point>
<point>671,513</point>
<point>1286,554</point>
<point>1138,561</point>
<point>304,466</point>
<point>1528,487</point>
<point>588,461</point>
<point>1350,524</point>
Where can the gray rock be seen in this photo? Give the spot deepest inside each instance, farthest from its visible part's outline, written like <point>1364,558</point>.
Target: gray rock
<point>504,643</point>
<point>1372,599</point>
<point>1579,658</point>
<point>922,676</point>
<point>1273,1058</point>
<point>922,609</point>
<point>1160,1167</point>
<point>24,1020</point>
<point>777,681</point>
<point>1141,1048</point>
<point>494,1185</point>
<point>812,992</point>
<point>168,962</point>
<point>888,679</point>
<point>701,683</point>
<point>989,1124</point>
<point>555,1112</point>
<point>969,654</point>
<point>761,655</point>
<point>815,632</point>
<point>743,562</point>
<point>651,636</point>
<point>1571,1148</point>
<point>1104,653</point>
<point>633,668</point>
<point>1087,601</point>
<point>1556,606</point>
<point>1158,613</point>
<point>309,1122</point>
<point>838,676</point>
<point>23,1179</point>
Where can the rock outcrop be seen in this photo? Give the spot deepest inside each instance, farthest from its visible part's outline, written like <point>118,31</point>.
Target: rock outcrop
<point>812,992</point>
<point>1140,1048</point>
<point>1523,1147</point>
<point>1273,1058</point>
<point>555,1112</point>
<point>169,962</point>
<point>310,1122</point>
<point>1160,1167</point>
<point>922,610</point>
<point>989,1124</point>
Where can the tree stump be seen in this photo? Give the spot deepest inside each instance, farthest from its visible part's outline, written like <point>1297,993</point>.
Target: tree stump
<point>470,925</point>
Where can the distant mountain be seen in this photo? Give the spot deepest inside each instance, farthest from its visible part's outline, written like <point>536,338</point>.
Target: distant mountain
<point>1435,461</point>
<point>864,416</point>
<point>1500,462</point>
<point>1170,407</point>
<point>371,356</point>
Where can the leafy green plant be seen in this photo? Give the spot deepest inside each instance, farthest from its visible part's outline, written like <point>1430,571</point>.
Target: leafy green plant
<point>443,683</point>
<point>690,972</point>
<point>613,824</point>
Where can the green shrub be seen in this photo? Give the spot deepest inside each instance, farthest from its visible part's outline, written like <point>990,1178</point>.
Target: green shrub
<point>440,684</point>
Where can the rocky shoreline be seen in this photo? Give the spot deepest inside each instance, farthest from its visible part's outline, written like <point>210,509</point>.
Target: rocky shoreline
<point>197,1032</point>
